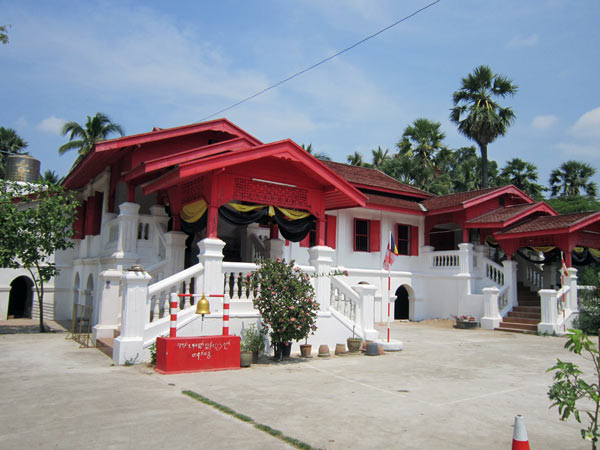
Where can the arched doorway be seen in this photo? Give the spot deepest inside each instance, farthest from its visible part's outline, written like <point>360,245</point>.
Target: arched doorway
<point>401,306</point>
<point>20,299</point>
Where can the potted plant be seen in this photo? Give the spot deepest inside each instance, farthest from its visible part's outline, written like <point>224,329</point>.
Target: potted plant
<point>305,349</point>
<point>354,342</point>
<point>245,356</point>
<point>253,339</point>
<point>285,300</point>
<point>466,322</point>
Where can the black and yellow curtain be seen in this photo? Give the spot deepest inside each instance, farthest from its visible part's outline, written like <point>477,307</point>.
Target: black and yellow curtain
<point>293,224</point>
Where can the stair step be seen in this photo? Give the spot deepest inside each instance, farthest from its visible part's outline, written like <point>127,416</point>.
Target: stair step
<point>525,315</point>
<point>513,330</point>
<point>518,326</point>
<point>105,345</point>
<point>520,319</point>
<point>528,309</point>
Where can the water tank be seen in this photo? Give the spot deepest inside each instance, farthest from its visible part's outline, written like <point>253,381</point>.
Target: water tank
<point>22,168</point>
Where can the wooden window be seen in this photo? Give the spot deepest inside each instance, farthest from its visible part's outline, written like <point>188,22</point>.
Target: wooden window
<point>312,235</point>
<point>367,235</point>
<point>330,230</point>
<point>403,239</point>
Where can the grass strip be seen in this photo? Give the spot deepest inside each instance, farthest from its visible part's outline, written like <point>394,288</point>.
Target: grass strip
<point>266,428</point>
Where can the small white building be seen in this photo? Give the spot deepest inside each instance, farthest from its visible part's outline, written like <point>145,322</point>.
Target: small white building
<point>196,205</point>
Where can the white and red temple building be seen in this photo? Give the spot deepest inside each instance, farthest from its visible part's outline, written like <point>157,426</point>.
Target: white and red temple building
<point>196,205</point>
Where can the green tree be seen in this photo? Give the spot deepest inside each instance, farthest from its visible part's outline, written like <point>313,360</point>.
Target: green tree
<point>356,159</point>
<point>570,387</point>
<point>10,144</point>
<point>571,178</point>
<point>477,115</point>
<point>422,140</point>
<point>379,157</point>
<point>33,229</point>
<point>322,156</point>
<point>569,205</point>
<point>4,33</point>
<point>51,177</point>
<point>523,175</point>
<point>466,171</point>
<point>83,138</point>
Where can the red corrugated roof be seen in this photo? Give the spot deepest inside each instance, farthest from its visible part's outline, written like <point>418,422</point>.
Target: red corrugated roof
<point>365,177</point>
<point>395,203</point>
<point>448,201</point>
<point>503,214</point>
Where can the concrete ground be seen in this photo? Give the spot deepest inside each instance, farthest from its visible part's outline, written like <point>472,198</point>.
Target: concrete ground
<point>448,389</point>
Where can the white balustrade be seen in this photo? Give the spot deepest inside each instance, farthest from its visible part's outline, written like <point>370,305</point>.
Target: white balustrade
<point>445,260</point>
<point>535,277</point>
<point>234,276</point>
<point>494,273</point>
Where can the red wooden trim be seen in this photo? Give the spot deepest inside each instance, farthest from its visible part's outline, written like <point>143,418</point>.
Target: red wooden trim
<point>414,240</point>
<point>378,207</point>
<point>423,196</point>
<point>331,223</point>
<point>321,225</point>
<point>79,224</point>
<point>306,241</point>
<point>374,235</point>
<point>130,192</point>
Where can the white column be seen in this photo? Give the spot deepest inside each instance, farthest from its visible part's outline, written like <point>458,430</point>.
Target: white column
<point>510,280</point>
<point>135,314</point>
<point>491,316</point>
<point>466,258</point>
<point>572,296</point>
<point>175,251</point>
<point>211,256</point>
<point>274,248</point>
<point>109,305</point>
<point>321,258</point>
<point>549,321</point>
<point>366,319</point>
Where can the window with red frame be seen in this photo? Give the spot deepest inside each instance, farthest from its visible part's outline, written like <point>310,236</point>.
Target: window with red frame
<point>403,239</point>
<point>367,235</point>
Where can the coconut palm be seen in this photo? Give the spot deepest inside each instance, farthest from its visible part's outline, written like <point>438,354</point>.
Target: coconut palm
<point>322,156</point>
<point>422,140</point>
<point>51,177</point>
<point>523,175</point>
<point>379,157</point>
<point>83,138</point>
<point>10,143</point>
<point>356,159</point>
<point>571,178</point>
<point>478,116</point>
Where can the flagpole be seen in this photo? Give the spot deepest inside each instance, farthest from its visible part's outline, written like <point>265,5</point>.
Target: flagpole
<point>389,299</point>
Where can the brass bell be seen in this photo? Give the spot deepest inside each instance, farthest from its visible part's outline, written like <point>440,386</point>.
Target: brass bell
<point>203,307</point>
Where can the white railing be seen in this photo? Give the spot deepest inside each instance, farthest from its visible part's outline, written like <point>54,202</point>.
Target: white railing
<point>494,273</point>
<point>503,301</point>
<point>258,247</point>
<point>184,282</point>
<point>535,278</point>
<point>444,260</point>
<point>561,300</point>
<point>345,300</point>
<point>234,275</point>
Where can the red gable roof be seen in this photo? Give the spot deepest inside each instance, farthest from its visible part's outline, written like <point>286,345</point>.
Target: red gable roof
<point>462,200</point>
<point>507,215</point>
<point>364,177</point>
<point>393,204</point>
<point>552,224</point>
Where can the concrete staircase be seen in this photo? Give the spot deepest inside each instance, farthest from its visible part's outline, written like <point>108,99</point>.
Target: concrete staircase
<point>525,317</point>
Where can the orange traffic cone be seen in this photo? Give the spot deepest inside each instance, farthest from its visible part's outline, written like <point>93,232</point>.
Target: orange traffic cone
<point>520,440</point>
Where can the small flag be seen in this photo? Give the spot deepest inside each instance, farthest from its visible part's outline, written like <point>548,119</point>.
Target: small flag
<point>564,270</point>
<point>390,254</point>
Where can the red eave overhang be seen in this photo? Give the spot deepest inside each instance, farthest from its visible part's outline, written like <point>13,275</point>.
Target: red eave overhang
<point>482,198</point>
<point>392,191</point>
<point>285,149</point>
<point>538,207</point>
<point>188,155</point>
<point>375,205</point>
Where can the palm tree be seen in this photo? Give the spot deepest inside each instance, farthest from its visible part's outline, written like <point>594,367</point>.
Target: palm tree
<point>51,177</point>
<point>322,156</point>
<point>10,143</point>
<point>523,175</point>
<point>571,178</point>
<point>96,128</point>
<point>422,140</point>
<point>356,159</point>
<point>379,157</point>
<point>479,117</point>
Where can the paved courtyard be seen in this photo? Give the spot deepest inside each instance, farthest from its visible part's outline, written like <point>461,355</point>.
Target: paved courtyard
<point>448,389</point>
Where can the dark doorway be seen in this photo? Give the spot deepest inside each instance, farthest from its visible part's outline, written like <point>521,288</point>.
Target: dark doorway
<point>401,304</point>
<point>20,298</point>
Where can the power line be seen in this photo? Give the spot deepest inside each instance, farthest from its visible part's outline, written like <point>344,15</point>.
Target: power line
<point>323,61</point>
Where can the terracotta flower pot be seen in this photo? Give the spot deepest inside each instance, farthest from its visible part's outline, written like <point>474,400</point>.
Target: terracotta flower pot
<point>340,349</point>
<point>354,344</point>
<point>305,350</point>
<point>245,359</point>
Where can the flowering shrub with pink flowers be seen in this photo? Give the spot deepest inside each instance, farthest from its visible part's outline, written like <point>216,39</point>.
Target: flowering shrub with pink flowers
<point>285,299</point>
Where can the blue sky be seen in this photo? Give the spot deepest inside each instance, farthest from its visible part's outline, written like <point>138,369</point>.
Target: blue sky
<point>165,64</point>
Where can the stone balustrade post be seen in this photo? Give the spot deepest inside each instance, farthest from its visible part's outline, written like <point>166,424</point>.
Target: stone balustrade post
<point>211,256</point>
<point>572,296</point>
<point>510,280</point>
<point>175,255</point>
<point>366,306</point>
<point>321,258</point>
<point>128,223</point>
<point>549,323</point>
<point>491,316</point>
<point>109,306</point>
<point>135,314</point>
<point>466,258</point>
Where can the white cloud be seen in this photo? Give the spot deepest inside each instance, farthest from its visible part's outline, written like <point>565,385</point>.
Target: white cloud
<point>52,125</point>
<point>588,125</point>
<point>579,150</point>
<point>544,122</point>
<point>524,41</point>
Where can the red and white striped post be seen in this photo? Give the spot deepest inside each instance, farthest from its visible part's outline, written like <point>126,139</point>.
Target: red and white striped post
<point>225,312</point>
<point>174,305</point>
